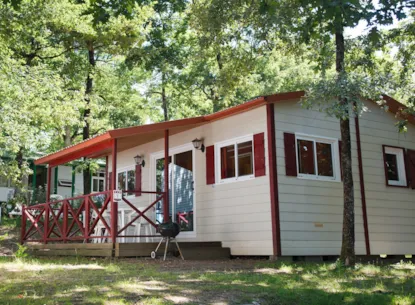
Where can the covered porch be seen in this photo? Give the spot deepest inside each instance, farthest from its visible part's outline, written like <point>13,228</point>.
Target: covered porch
<point>118,221</point>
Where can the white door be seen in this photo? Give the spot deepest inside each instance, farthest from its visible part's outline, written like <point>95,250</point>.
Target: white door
<point>181,186</point>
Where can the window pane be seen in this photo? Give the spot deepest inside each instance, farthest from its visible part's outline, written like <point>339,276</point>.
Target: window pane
<point>101,185</point>
<point>392,165</point>
<point>131,181</point>
<point>306,157</point>
<point>160,187</point>
<point>324,159</point>
<point>94,185</point>
<point>121,181</point>
<point>245,164</point>
<point>227,161</point>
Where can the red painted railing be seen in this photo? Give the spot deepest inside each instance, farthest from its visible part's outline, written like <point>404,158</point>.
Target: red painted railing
<point>85,218</point>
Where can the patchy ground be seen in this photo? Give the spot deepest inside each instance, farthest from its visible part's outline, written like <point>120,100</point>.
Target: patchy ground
<point>144,281</point>
<point>104,281</point>
<point>9,236</point>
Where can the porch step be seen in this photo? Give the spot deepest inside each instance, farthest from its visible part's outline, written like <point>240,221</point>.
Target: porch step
<point>210,253</point>
<point>190,250</point>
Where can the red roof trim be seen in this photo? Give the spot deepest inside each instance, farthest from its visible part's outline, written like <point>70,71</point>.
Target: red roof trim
<point>86,146</point>
<point>125,132</point>
<point>73,149</point>
<point>396,108</point>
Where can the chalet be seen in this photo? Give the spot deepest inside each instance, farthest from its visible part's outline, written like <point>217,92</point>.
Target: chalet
<point>262,178</point>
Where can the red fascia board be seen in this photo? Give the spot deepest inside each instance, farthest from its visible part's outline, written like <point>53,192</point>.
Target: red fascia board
<point>72,149</point>
<point>396,108</point>
<point>285,96</point>
<point>129,131</point>
<point>82,152</point>
<point>259,101</point>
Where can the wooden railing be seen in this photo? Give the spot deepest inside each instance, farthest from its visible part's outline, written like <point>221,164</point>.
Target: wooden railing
<point>85,218</point>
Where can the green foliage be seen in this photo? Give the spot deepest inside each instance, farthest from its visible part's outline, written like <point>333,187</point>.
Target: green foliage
<point>21,252</point>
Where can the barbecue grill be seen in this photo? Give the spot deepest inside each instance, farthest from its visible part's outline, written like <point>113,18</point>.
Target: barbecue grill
<point>169,231</point>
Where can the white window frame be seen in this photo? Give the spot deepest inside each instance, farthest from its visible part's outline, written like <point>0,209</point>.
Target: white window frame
<point>400,160</point>
<point>218,160</point>
<point>98,178</point>
<point>334,152</point>
<point>126,170</point>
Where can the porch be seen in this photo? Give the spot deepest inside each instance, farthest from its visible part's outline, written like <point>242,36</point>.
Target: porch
<point>119,221</point>
<point>93,225</point>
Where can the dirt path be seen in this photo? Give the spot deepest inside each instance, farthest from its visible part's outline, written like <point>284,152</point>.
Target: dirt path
<point>9,236</point>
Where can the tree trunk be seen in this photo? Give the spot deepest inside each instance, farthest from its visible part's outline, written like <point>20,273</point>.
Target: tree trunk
<point>164,98</point>
<point>213,94</point>
<point>67,138</point>
<point>347,255</point>
<point>87,112</point>
<point>18,187</point>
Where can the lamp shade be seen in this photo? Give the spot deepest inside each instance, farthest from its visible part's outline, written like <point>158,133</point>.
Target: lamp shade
<point>197,144</point>
<point>138,160</point>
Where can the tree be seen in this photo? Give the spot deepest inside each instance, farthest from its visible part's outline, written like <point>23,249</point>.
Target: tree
<point>31,91</point>
<point>101,32</point>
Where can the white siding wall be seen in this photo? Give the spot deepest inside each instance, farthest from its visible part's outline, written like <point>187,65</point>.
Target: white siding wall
<point>239,213</point>
<point>391,210</point>
<point>311,212</point>
<point>65,173</point>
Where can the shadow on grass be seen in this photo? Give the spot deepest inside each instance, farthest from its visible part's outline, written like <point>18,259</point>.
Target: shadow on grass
<point>82,281</point>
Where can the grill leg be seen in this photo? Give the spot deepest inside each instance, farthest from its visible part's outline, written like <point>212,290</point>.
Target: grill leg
<point>178,248</point>
<point>159,244</point>
<point>167,245</point>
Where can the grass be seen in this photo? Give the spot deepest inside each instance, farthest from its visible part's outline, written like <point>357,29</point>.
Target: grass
<point>10,223</point>
<point>101,281</point>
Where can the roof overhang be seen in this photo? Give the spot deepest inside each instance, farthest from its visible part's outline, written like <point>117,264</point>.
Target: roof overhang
<point>129,137</point>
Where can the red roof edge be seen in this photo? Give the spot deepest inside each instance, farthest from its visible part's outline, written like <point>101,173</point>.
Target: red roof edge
<point>397,108</point>
<point>285,96</point>
<point>90,144</point>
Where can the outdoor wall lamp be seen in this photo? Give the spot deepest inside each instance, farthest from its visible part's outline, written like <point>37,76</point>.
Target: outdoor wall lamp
<point>198,144</point>
<point>139,160</point>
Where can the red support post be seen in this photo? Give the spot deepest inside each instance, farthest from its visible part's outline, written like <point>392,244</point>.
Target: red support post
<point>87,219</point>
<point>65,221</point>
<point>23,225</point>
<point>48,184</point>
<point>114,220</point>
<point>46,224</point>
<point>107,187</point>
<point>114,165</point>
<point>166,215</point>
<point>114,204</point>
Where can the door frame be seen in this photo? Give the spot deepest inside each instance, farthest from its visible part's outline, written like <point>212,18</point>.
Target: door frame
<point>172,151</point>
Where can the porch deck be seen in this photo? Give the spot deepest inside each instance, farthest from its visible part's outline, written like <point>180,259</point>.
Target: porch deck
<point>191,250</point>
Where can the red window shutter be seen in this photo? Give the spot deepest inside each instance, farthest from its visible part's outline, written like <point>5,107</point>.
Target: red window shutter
<point>340,159</point>
<point>410,167</point>
<point>109,181</point>
<point>259,154</point>
<point>290,154</point>
<point>138,180</point>
<point>210,165</point>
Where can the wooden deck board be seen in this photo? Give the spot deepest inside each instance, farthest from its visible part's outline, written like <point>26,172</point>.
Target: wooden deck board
<point>191,250</point>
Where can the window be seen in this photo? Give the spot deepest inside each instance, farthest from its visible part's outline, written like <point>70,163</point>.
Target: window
<point>394,166</point>
<point>235,159</point>
<point>126,180</point>
<point>4,182</point>
<point>65,183</point>
<point>317,158</point>
<point>98,181</point>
